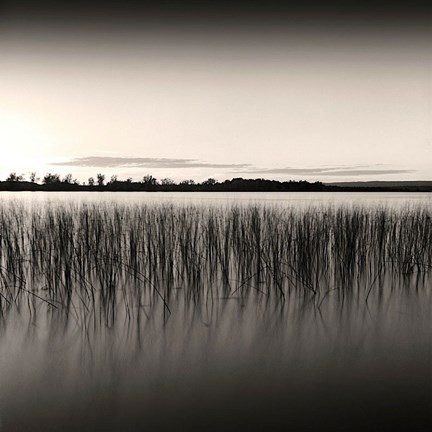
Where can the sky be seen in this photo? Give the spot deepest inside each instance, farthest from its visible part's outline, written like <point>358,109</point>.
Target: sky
<point>323,91</point>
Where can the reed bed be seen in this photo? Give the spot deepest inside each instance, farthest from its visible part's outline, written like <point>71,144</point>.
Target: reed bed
<point>100,259</point>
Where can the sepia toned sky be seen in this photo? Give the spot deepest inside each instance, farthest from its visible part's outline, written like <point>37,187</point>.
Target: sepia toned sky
<point>328,94</point>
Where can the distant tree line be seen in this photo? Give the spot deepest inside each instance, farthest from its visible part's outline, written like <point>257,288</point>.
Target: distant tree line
<point>54,182</point>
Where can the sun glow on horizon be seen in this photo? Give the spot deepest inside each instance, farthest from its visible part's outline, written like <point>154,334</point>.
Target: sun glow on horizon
<point>24,144</point>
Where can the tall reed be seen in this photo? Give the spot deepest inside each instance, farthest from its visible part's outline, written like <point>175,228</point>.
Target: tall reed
<point>88,258</point>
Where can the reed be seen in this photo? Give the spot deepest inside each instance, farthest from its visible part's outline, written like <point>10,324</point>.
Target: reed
<point>98,259</point>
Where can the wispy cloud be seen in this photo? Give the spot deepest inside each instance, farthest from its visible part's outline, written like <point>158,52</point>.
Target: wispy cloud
<point>330,171</point>
<point>367,172</point>
<point>178,163</point>
<point>137,162</point>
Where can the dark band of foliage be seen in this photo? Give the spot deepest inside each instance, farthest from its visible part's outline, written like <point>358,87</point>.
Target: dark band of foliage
<point>53,182</point>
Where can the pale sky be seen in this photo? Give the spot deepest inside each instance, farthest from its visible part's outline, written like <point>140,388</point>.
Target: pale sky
<point>284,104</point>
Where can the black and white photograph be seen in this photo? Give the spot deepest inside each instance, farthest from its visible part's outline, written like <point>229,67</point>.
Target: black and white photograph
<point>215,216</point>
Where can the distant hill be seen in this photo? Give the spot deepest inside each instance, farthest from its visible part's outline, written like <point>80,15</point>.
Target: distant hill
<point>383,186</point>
<point>386,184</point>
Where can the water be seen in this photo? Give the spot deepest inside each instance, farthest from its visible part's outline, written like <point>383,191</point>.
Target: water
<point>242,361</point>
<point>298,199</point>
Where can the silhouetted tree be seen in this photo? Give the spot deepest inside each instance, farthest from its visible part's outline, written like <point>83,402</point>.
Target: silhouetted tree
<point>51,178</point>
<point>13,177</point>
<point>167,182</point>
<point>100,179</point>
<point>68,179</point>
<point>33,177</point>
<point>149,180</point>
<point>91,181</point>
<point>209,182</point>
<point>113,178</point>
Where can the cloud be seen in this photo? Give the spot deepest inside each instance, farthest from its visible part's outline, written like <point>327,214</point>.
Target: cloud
<point>136,162</point>
<point>178,163</point>
<point>330,171</point>
<point>367,172</point>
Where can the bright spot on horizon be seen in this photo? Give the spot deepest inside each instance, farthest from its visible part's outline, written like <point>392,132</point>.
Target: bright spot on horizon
<point>24,143</point>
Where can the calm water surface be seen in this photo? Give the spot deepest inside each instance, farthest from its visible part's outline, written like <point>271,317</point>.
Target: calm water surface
<point>298,199</point>
<point>234,363</point>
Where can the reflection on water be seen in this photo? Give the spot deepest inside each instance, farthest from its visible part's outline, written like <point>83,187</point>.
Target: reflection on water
<point>232,367</point>
<point>228,326</point>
